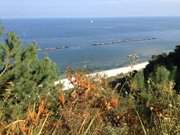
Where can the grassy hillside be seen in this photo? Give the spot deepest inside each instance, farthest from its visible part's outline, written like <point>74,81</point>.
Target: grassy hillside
<point>139,103</point>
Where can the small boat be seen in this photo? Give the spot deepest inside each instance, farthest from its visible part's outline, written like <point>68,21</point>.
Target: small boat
<point>92,21</point>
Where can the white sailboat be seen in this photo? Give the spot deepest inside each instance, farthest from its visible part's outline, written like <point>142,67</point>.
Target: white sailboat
<point>92,21</point>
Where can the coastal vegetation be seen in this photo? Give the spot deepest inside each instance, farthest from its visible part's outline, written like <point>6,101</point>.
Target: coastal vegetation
<point>139,103</point>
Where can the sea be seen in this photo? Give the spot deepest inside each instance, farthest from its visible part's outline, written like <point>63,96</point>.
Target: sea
<point>95,44</point>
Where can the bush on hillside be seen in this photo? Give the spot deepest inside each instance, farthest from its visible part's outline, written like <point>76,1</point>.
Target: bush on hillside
<point>170,61</point>
<point>24,78</point>
<point>31,105</point>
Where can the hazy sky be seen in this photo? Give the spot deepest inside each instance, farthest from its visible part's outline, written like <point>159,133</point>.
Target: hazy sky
<point>88,8</point>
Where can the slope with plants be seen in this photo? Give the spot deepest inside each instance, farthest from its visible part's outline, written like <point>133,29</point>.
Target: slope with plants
<point>144,102</point>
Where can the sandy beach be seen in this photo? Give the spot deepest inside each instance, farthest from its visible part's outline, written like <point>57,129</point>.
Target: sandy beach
<point>106,73</point>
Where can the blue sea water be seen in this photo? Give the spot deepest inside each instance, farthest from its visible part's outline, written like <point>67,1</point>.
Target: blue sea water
<point>98,43</point>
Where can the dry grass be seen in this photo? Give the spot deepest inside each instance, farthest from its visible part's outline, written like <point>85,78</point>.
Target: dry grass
<point>93,108</point>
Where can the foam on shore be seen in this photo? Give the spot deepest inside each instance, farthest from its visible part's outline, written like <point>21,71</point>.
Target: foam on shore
<point>107,73</point>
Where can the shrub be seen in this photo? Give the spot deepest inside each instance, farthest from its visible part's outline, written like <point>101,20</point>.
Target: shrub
<point>24,78</point>
<point>137,82</point>
<point>30,104</point>
<point>170,62</point>
<point>162,80</point>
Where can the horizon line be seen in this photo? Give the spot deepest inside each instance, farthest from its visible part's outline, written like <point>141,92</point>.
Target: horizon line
<point>85,17</point>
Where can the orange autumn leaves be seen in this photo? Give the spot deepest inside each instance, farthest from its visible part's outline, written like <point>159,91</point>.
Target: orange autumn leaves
<point>35,116</point>
<point>86,90</point>
<point>87,83</point>
<point>82,81</point>
<point>114,102</point>
<point>107,103</point>
<point>61,98</point>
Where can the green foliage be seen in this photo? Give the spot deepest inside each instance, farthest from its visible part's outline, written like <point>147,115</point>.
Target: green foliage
<point>1,30</point>
<point>24,78</point>
<point>170,62</point>
<point>161,80</point>
<point>151,105</point>
<point>137,82</point>
<point>160,75</point>
<point>109,130</point>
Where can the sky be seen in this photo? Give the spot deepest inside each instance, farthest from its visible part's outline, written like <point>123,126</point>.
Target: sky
<point>87,8</point>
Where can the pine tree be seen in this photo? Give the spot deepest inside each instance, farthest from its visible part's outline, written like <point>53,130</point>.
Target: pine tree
<point>23,76</point>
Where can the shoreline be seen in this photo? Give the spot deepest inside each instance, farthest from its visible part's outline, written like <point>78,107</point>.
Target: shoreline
<point>106,73</point>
